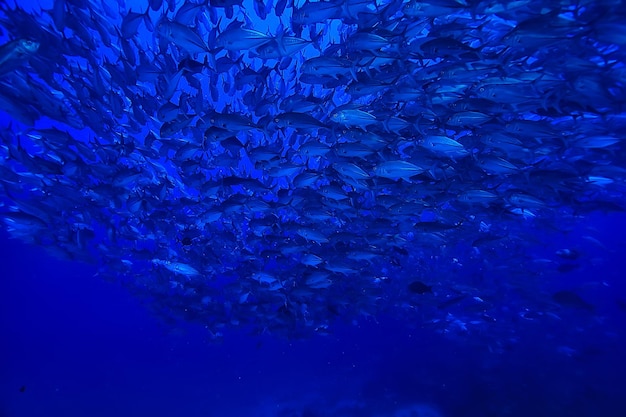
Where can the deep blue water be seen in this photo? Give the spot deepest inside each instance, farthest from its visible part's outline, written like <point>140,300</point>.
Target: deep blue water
<point>80,346</point>
<point>155,274</point>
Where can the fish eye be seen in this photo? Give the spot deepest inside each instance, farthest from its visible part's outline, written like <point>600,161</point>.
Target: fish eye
<point>481,89</point>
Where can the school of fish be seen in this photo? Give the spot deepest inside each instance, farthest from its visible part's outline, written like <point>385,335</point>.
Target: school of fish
<point>280,166</point>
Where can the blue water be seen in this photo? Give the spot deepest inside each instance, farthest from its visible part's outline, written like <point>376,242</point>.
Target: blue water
<point>80,346</point>
<point>174,276</point>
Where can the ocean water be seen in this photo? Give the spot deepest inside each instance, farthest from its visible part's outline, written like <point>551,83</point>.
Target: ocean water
<point>312,209</point>
<point>79,346</point>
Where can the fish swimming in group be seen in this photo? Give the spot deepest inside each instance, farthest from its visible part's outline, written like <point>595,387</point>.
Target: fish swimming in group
<point>279,165</point>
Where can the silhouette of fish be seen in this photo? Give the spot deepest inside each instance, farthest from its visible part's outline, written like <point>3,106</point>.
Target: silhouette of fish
<point>418,287</point>
<point>570,299</point>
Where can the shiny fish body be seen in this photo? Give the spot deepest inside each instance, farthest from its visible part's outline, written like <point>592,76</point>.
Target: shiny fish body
<point>239,38</point>
<point>444,146</point>
<point>397,170</point>
<point>13,54</point>
<point>181,36</point>
<point>177,267</point>
<point>352,117</point>
<point>350,170</point>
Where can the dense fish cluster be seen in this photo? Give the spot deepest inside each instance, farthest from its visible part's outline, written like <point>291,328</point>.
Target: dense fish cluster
<point>280,166</point>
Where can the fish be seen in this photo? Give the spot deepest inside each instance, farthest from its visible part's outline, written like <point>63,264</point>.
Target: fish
<point>397,170</point>
<point>177,267</point>
<point>312,235</point>
<point>444,146</point>
<point>349,116</point>
<point>318,280</point>
<point>236,38</point>
<point>333,67</point>
<point>15,53</point>
<point>312,12</point>
<point>131,21</point>
<point>181,36</point>
<point>281,46</point>
<point>281,167</point>
<point>311,259</point>
<point>570,299</point>
<point>298,121</point>
<point>350,170</point>
<point>418,287</point>
<point>477,197</point>
<point>570,254</point>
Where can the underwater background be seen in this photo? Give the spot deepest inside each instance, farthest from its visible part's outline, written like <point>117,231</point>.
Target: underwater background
<point>311,209</point>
